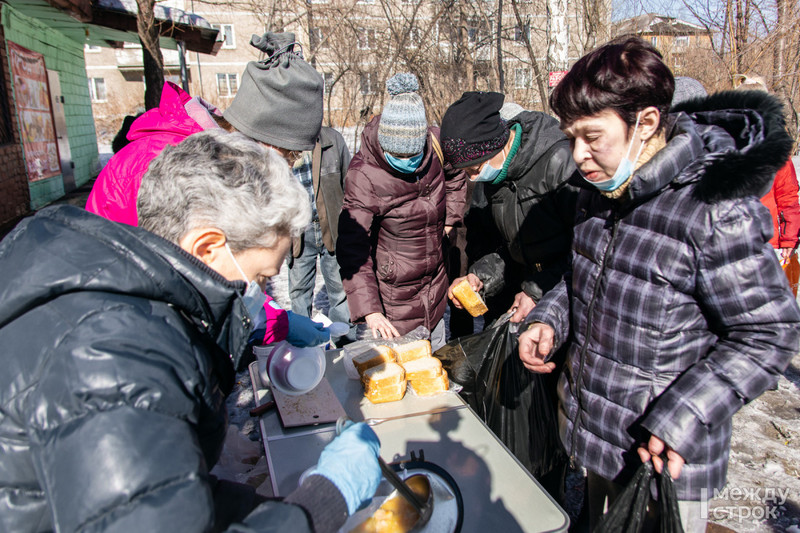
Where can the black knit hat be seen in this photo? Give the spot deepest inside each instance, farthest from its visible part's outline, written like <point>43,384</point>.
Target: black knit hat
<point>472,130</point>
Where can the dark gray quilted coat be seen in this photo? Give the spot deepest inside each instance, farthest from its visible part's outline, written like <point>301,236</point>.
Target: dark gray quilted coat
<point>677,312</point>
<point>114,349</point>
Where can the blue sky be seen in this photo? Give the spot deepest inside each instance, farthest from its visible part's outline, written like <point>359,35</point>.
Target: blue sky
<point>629,8</point>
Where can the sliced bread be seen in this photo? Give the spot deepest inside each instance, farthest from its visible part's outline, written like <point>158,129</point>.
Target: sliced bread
<point>470,299</point>
<point>424,367</point>
<point>389,393</point>
<point>412,350</point>
<point>374,356</point>
<point>382,376</point>
<point>431,386</point>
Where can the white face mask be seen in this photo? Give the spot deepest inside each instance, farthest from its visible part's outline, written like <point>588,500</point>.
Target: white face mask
<point>254,297</point>
<point>625,168</point>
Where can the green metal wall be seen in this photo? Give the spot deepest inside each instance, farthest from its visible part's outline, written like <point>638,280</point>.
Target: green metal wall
<point>65,56</point>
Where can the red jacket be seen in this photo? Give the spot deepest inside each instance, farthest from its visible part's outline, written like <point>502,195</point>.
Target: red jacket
<point>390,234</point>
<point>782,202</point>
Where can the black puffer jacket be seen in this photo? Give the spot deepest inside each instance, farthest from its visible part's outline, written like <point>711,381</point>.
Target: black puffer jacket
<point>116,366</point>
<point>519,231</point>
<point>676,312</point>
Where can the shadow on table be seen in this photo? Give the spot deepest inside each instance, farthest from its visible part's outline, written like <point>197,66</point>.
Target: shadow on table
<point>473,478</point>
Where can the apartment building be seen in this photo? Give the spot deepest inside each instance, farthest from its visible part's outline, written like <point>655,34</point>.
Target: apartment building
<point>357,44</point>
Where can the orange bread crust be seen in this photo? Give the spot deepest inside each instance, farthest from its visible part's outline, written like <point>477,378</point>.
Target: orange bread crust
<point>470,299</point>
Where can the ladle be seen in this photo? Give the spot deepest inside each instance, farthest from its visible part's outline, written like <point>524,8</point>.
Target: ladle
<point>425,509</point>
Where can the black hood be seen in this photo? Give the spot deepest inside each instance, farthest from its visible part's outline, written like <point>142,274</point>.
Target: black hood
<point>756,147</point>
<point>540,132</point>
<point>67,249</point>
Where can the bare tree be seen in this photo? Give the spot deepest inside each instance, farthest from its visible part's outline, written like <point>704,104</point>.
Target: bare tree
<point>152,60</point>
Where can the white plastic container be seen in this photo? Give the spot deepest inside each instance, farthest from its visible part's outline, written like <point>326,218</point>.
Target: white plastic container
<point>295,371</point>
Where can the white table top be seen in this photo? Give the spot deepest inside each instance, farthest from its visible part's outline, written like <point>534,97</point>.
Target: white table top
<point>498,493</point>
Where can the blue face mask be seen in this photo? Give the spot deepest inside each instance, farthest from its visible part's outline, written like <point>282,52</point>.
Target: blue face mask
<point>253,298</point>
<point>406,165</point>
<point>488,173</point>
<point>625,168</point>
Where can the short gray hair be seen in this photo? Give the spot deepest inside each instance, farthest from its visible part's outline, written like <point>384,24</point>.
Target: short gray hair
<point>226,181</point>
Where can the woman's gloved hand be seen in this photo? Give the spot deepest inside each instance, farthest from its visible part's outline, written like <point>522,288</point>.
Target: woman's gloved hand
<point>350,462</point>
<point>305,332</point>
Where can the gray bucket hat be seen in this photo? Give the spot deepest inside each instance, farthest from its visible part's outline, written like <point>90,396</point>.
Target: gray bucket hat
<point>279,101</point>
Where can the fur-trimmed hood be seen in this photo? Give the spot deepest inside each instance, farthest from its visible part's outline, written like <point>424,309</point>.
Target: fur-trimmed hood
<point>735,142</point>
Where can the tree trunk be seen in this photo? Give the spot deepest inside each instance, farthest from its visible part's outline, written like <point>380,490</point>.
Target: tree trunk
<point>540,79</point>
<point>152,60</point>
<point>500,72</point>
<point>780,50</point>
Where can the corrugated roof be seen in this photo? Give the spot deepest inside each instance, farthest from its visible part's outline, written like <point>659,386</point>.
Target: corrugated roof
<point>101,22</point>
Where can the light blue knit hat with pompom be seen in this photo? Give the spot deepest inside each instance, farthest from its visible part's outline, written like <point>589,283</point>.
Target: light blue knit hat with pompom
<point>403,127</point>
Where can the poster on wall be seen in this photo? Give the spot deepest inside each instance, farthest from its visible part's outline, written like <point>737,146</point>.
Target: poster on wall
<point>35,115</point>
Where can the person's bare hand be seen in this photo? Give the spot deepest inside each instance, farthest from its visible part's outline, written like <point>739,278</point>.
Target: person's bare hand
<point>380,324</point>
<point>535,345</point>
<point>653,451</point>
<point>522,306</point>
<point>474,282</point>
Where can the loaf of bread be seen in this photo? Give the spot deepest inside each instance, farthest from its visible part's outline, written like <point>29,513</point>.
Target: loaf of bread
<point>387,393</point>
<point>431,386</point>
<point>412,350</point>
<point>470,299</point>
<point>424,367</point>
<point>382,376</point>
<point>374,356</point>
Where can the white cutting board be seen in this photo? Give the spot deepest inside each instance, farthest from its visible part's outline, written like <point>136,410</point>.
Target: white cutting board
<point>318,406</point>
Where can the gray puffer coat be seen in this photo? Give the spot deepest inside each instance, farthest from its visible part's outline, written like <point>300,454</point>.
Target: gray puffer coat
<point>677,312</point>
<point>118,350</point>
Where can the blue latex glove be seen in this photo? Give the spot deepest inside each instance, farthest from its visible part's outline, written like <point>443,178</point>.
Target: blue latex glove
<point>305,332</point>
<point>350,462</point>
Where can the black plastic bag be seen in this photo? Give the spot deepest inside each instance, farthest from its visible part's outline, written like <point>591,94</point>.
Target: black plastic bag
<point>520,407</point>
<point>628,512</point>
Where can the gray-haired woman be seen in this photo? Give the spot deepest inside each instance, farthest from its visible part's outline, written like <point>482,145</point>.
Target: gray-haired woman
<point>120,345</point>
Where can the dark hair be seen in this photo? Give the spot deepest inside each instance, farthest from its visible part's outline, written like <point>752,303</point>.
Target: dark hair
<point>624,75</point>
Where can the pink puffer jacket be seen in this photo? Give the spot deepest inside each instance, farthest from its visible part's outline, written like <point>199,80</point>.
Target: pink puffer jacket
<point>114,193</point>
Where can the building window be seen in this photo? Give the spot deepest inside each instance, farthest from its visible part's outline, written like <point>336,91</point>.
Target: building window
<point>327,78</point>
<point>92,48</point>
<point>227,85</point>
<point>522,33</point>
<point>681,41</point>
<point>522,78</point>
<point>97,89</point>
<point>317,38</point>
<point>414,37</point>
<point>368,83</point>
<point>225,35</point>
<point>366,38</point>
<point>654,41</point>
